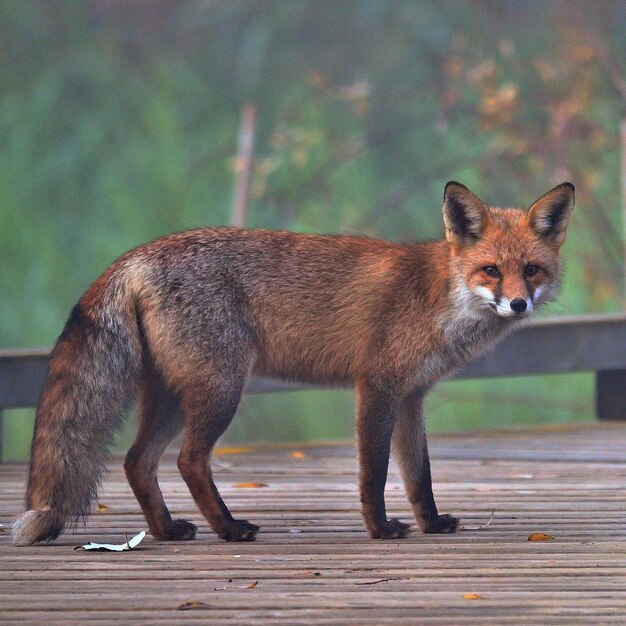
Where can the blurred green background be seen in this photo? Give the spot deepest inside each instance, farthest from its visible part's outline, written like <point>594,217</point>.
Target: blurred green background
<point>119,123</point>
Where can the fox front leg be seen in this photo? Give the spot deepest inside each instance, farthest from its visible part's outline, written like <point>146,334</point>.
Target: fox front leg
<point>411,454</point>
<point>376,414</point>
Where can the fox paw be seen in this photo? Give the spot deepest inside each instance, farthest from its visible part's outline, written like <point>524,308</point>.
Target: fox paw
<point>391,529</point>
<point>442,524</point>
<point>182,530</point>
<point>239,530</point>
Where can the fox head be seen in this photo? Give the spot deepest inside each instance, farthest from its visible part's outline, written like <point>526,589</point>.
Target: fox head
<point>506,260</point>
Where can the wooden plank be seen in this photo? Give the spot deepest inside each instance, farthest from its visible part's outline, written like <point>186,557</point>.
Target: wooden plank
<point>611,394</point>
<point>22,373</point>
<point>554,346</point>
<point>567,344</point>
<point>312,562</point>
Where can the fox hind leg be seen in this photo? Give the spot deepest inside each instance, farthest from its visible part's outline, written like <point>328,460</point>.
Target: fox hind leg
<point>160,420</point>
<point>209,407</point>
<point>411,453</point>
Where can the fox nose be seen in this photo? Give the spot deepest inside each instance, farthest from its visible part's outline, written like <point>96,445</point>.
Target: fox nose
<point>518,305</point>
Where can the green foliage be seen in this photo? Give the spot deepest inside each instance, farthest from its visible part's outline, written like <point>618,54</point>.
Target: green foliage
<point>118,123</point>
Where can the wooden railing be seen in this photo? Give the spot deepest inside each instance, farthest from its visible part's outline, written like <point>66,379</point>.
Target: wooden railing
<point>594,343</point>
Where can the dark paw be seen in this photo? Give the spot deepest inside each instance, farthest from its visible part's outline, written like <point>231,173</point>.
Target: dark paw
<point>391,529</point>
<point>182,530</point>
<point>239,530</point>
<point>442,524</point>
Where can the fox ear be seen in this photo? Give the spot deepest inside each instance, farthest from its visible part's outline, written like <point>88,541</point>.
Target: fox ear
<point>464,215</point>
<point>549,215</point>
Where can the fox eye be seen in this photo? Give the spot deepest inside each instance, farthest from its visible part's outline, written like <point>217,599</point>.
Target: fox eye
<point>530,270</point>
<point>492,270</point>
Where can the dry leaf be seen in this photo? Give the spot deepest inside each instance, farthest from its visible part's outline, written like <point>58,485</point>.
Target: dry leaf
<point>111,547</point>
<point>539,537</point>
<point>102,508</point>
<point>194,604</point>
<point>308,574</point>
<point>251,585</point>
<point>298,455</point>
<point>472,596</point>
<point>240,450</point>
<point>249,485</point>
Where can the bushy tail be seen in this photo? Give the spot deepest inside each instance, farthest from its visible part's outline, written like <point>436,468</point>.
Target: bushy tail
<point>92,379</point>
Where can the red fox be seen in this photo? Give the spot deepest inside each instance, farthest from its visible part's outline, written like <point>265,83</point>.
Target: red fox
<point>184,321</point>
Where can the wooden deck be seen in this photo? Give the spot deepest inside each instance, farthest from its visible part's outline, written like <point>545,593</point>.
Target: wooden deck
<point>312,562</point>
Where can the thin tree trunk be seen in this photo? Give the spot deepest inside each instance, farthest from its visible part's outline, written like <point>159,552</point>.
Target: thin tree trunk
<point>623,185</point>
<point>243,165</point>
